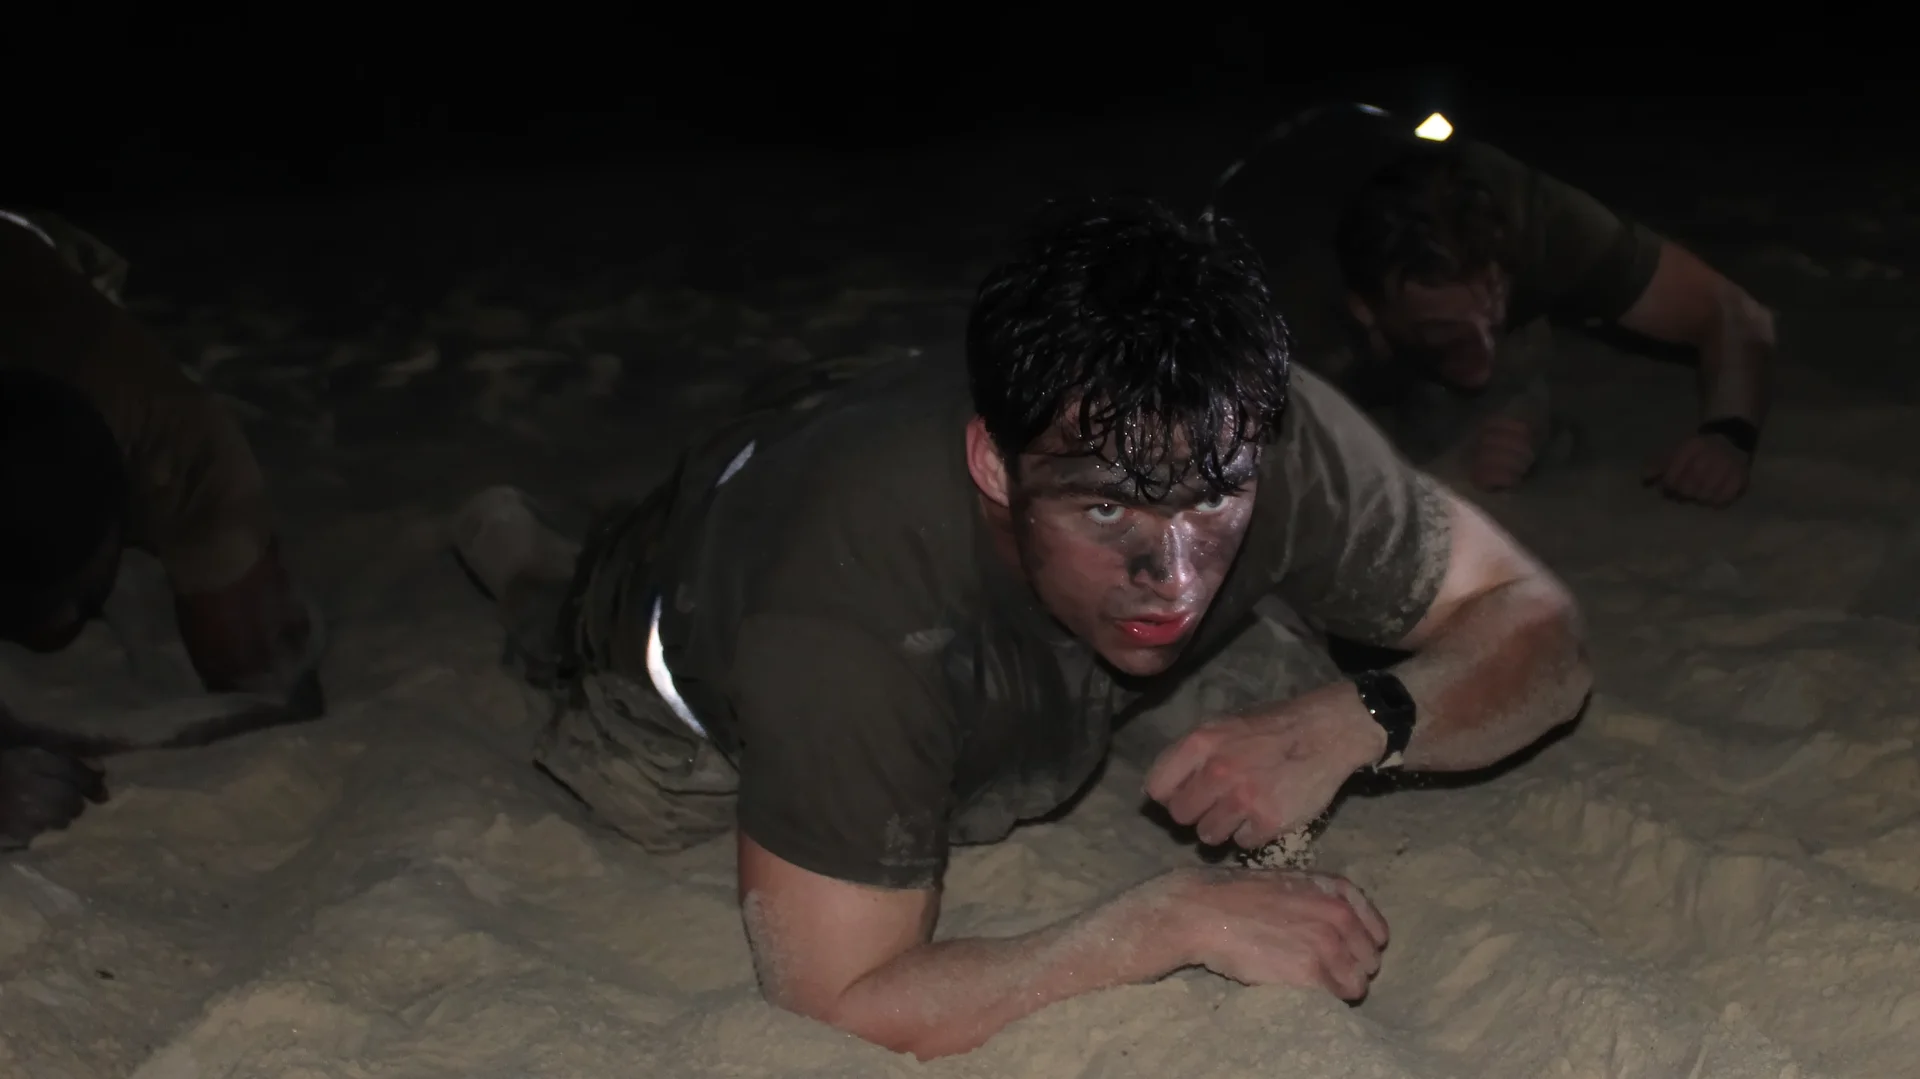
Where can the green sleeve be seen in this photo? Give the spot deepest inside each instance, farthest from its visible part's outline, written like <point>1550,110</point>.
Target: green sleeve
<point>1368,535</point>
<point>847,765</point>
<point>1570,255</point>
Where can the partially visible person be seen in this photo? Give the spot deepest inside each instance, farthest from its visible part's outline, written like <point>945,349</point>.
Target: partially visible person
<point>1447,263</point>
<point>105,443</point>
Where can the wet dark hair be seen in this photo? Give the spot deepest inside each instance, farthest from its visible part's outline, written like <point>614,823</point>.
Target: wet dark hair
<point>1425,217</point>
<point>63,489</point>
<point>1142,327</point>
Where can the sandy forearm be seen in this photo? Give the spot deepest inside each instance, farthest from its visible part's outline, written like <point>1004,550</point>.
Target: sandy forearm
<point>1510,665</point>
<point>950,996</point>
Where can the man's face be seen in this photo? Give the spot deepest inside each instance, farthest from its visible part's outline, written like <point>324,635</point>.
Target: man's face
<point>1131,578</point>
<point>1449,330</point>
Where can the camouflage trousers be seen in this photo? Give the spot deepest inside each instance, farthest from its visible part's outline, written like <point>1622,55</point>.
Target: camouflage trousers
<point>610,737</point>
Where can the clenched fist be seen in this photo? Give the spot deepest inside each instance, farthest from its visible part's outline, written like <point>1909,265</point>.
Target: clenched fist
<point>1252,778</point>
<point>1283,927</point>
<point>1503,452</point>
<point>1704,468</point>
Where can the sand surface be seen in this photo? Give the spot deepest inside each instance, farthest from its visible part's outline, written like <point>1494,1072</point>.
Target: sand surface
<point>1717,873</point>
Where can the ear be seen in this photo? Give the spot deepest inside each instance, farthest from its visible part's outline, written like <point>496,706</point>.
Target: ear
<point>989,469</point>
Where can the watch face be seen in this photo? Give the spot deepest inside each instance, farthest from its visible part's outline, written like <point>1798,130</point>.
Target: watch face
<point>1389,695</point>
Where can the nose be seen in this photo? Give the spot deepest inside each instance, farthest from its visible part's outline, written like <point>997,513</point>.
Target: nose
<point>1165,565</point>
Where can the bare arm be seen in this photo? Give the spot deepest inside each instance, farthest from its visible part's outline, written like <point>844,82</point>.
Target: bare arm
<point>1499,659</point>
<point>1688,302</point>
<point>863,959</point>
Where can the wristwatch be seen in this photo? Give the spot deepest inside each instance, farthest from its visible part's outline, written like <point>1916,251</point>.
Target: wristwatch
<point>1391,706</point>
<point>1742,432</point>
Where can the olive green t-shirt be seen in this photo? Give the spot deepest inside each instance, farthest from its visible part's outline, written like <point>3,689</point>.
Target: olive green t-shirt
<point>836,621</point>
<point>197,498</point>
<point>1570,258</point>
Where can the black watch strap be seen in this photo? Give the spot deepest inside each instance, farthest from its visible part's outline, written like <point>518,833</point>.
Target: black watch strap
<point>1742,432</point>
<point>1391,706</point>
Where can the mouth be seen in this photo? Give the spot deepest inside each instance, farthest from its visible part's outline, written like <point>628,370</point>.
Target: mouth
<point>1467,369</point>
<point>1155,630</point>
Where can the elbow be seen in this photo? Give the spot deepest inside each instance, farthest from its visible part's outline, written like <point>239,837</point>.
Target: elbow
<point>1739,324</point>
<point>1754,318</point>
<point>854,1012</point>
<point>1555,617</point>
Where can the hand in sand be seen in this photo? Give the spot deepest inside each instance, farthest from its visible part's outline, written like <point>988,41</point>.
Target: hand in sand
<point>1254,777</point>
<point>1705,468</point>
<point>1503,453</point>
<point>1286,927</point>
<point>257,635</point>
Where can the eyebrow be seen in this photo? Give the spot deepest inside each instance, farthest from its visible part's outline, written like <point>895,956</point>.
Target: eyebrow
<point>1118,488</point>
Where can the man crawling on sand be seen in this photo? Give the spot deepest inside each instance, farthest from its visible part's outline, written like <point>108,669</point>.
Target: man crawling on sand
<point>1432,312</point>
<point>911,616</point>
<point>105,444</point>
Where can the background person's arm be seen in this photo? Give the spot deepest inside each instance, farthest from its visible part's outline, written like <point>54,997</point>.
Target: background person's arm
<point>1689,302</point>
<point>257,635</point>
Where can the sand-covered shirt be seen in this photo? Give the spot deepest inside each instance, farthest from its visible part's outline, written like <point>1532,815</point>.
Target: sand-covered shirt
<point>197,499</point>
<point>833,615</point>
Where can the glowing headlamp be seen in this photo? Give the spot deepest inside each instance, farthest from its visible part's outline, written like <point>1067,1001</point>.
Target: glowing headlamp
<point>1434,128</point>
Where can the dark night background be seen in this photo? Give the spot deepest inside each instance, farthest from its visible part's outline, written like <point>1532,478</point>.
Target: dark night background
<point>306,157</point>
<point>159,107</point>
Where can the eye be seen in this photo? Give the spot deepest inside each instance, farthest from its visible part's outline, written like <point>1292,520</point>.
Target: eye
<point>1106,513</point>
<point>1211,504</point>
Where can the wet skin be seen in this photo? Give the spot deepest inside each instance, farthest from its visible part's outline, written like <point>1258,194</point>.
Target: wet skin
<point>1129,575</point>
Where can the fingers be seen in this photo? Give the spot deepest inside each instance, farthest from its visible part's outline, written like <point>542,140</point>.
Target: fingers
<point>1502,456</point>
<point>1223,822</point>
<point>1345,961</point>
<point>1196,798</point>
<point>1218,815</point>
<point>1175,764</point>
<point>1363,908</point>
<point>1705,478</point>
<point>1189,777</point>
<point>1296,928</point>
<point>1337,974</point>
<point>1250,836</point>
<point>1690,472</point>
<point>1359,937</point>
<point>1702,469</point>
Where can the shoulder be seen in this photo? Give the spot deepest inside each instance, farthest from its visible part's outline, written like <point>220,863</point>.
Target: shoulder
<point>1322,420</point>
<point>1354,536</point>
<point>1330,463</point>
<point>1571,252</point>
<point>860,512</point>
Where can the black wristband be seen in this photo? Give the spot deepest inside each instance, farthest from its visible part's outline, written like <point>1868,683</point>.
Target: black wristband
<point>1738,430</point>
<point>1391,706</point>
